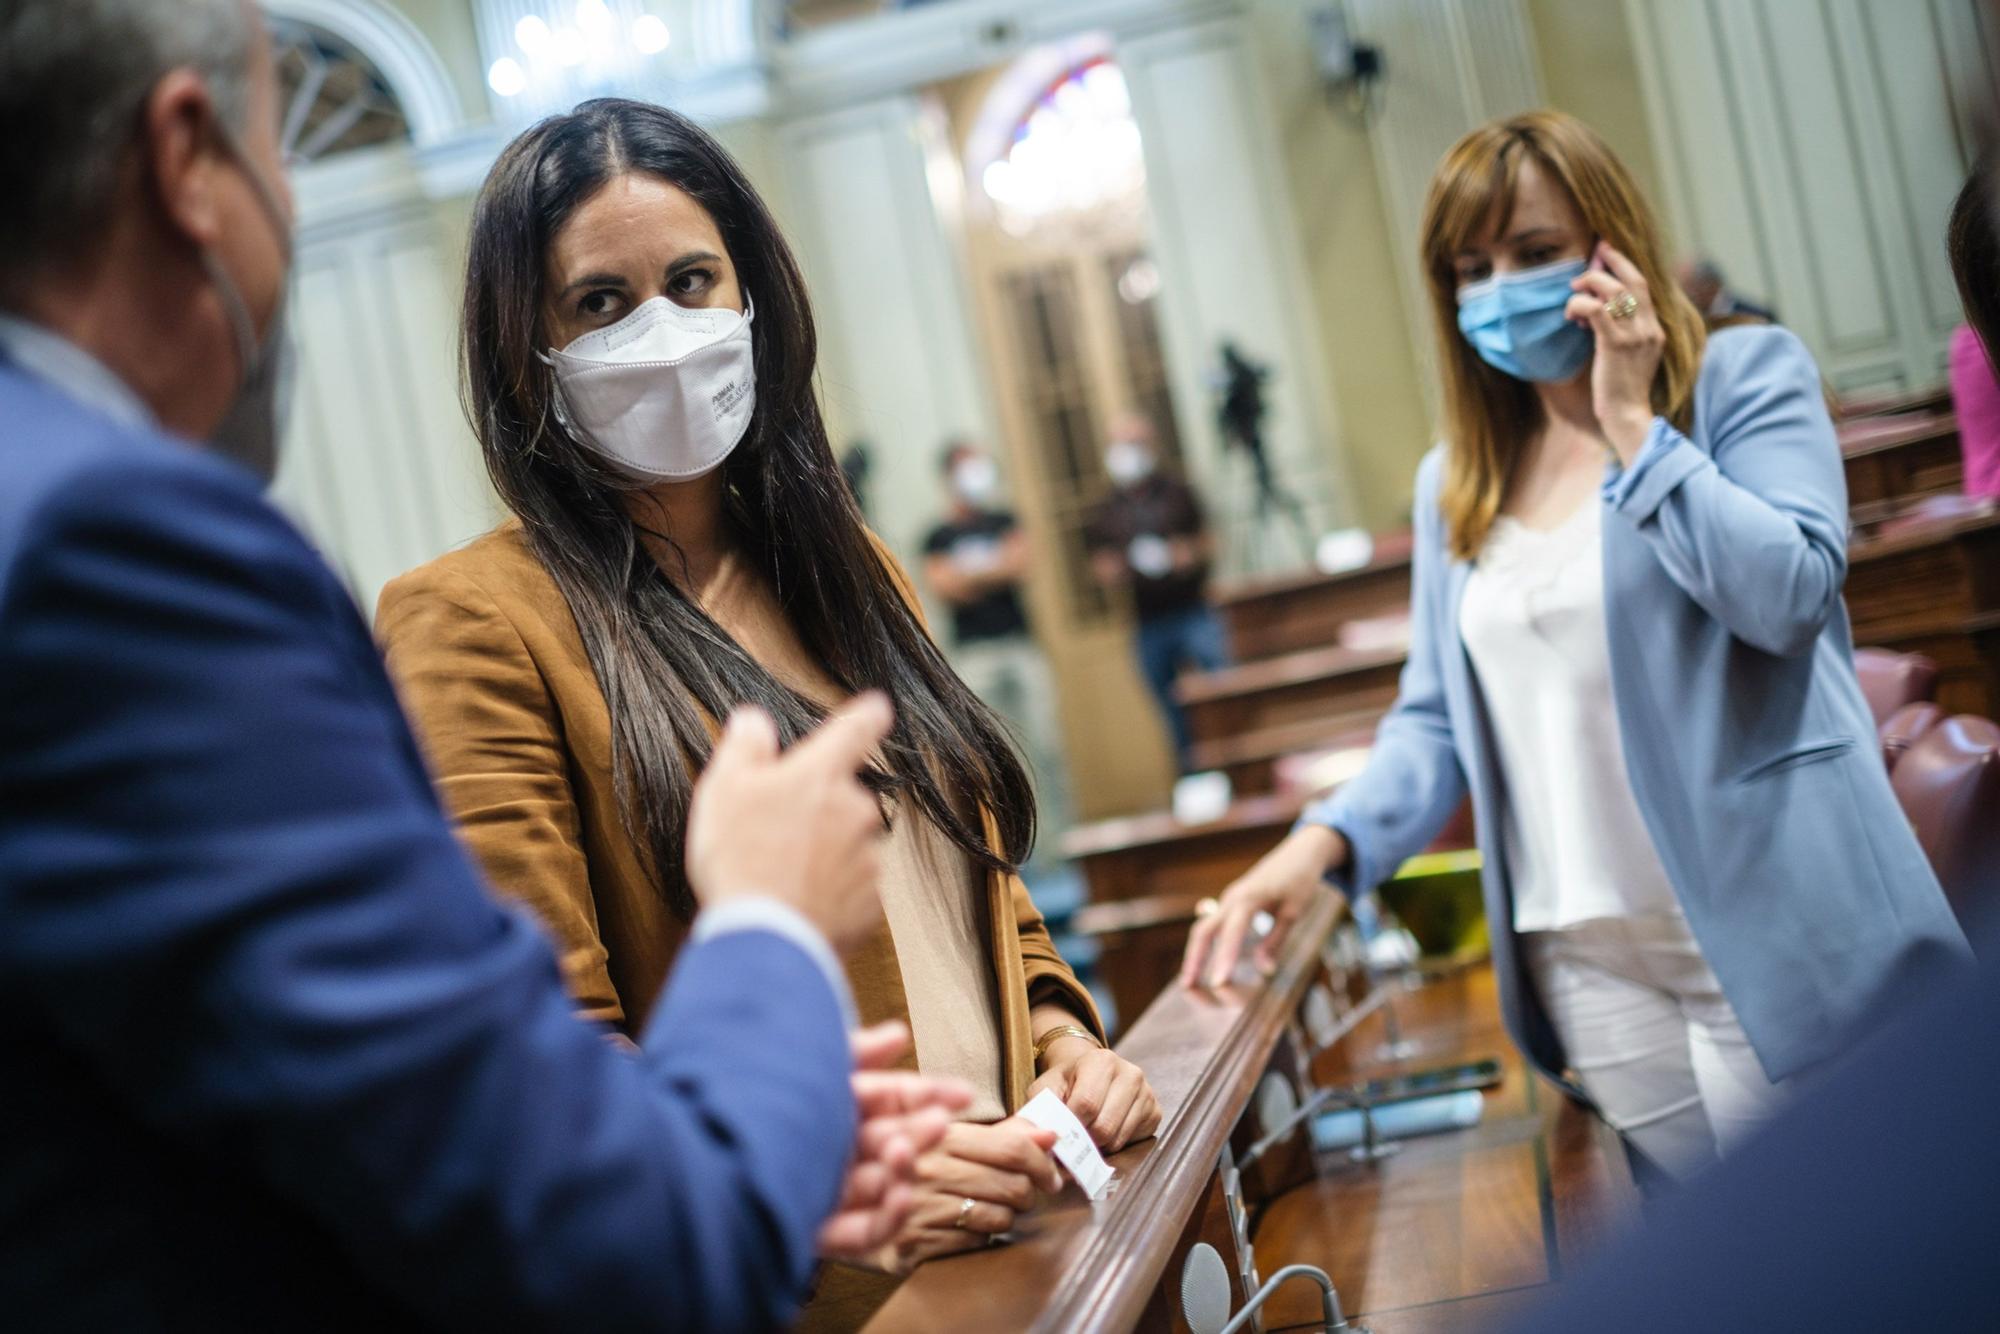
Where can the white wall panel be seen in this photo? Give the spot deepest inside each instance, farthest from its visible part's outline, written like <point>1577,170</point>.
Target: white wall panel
<point>1450,65</point>
<point>1813,147</point>
<point>378,465</point>
<point>1231,264</point>
<point>897,364</point>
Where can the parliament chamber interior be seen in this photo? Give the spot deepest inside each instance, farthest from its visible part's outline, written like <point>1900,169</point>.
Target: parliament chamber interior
<point>1134,333</point>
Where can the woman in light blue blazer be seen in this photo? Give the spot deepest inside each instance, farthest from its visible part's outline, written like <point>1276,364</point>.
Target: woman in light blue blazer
<point>1629,647</point>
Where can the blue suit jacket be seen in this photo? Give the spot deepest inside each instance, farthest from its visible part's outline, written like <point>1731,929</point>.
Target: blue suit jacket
<point>1749,747</point>
<point>272,1057</point>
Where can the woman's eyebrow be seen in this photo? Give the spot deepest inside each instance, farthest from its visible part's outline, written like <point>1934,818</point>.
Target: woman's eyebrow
<point>693,257</point>
<point>596,280</point>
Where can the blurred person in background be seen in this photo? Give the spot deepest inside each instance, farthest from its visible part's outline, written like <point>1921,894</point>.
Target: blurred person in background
<point>1975,390</point>
<point>274,1058</point>
<point>1150,537</point>
<point>976,562</point>
<point>1706,286</point>
<point>638,351</point>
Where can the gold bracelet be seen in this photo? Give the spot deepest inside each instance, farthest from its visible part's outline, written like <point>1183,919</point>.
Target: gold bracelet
<point>1047,1039</point>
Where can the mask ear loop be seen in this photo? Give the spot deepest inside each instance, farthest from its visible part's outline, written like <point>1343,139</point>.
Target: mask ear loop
<point>250,355</point>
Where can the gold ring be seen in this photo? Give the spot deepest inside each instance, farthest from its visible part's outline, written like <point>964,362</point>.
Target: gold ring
<point>1623,306</point>
<point>1208,908</point>
<point>964,1212</point>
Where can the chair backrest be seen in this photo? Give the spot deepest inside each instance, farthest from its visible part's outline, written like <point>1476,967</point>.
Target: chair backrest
<point>1949,784</point>
<point>1905,725</point>
<point>1891,680</point>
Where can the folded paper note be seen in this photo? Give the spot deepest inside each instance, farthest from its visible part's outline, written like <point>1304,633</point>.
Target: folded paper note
<point>1074,1148</point>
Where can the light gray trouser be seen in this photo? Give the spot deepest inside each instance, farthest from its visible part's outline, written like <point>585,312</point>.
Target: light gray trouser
<point>1649,1033</point>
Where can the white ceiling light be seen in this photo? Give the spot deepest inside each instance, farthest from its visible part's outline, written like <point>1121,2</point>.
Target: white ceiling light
<point>531,34</point>
<point>650,35</point>
<point>594,18</point>
<point>569,47</point>
<point>506,77</point>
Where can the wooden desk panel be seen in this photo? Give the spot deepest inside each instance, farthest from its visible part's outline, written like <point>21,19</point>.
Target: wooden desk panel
<point>1300,688</point>
<point>1083,1268</point>
<point>1896,458</point>
<point>1931,398</point>
<point>1935,590</point>
<point>1272,616</point>
<point>1457,1230</point>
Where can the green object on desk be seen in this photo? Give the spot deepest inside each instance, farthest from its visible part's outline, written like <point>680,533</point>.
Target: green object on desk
<point>1437,896</point>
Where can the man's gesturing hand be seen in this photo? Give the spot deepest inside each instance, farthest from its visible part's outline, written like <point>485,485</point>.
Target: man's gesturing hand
<point>902,1116</point>
<point>797,827</point>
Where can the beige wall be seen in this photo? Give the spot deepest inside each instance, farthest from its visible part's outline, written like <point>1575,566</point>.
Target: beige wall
<point>1590,69</point>
<point>447,26</point>
<point>1377,387</point>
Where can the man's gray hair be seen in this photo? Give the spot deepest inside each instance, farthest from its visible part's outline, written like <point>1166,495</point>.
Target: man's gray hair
<point>74,75</point>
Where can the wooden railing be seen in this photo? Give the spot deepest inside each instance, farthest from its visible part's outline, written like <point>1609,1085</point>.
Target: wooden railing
<point>1077,1267</point>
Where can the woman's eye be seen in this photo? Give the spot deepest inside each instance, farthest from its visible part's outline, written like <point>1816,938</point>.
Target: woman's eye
<point>1472,273</point>
<point>1537,256</point>
<point>598,304</point>
<point>691,282</point>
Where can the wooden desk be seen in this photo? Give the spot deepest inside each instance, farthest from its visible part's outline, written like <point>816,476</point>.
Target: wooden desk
<point>1298,688</point>
<point>1896,458</point>
<point>1287,613</point>
<point>1084,1268</point>
<point>1935,590</point>
<point>1251,760</point>
<point>1140,855</point>
<point>1449,1234</point>
<point>1456,1231</point>
<point>1931,398</point>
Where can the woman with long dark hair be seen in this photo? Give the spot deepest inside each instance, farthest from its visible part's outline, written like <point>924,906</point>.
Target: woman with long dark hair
<point>1629,649</point>
<point>638,361</point>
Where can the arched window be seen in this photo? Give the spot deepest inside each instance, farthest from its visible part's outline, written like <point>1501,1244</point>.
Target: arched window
<point>333,97</point>
<point>1072,152</point>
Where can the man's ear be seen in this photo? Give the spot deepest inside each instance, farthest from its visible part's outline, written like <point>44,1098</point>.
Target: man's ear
<point>179,163</point>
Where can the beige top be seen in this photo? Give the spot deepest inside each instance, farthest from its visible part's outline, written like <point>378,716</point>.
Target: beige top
<point>935,901</point>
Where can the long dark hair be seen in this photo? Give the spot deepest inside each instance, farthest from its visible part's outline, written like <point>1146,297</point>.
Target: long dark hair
<point>1973,243</point>
<point>660,660</point>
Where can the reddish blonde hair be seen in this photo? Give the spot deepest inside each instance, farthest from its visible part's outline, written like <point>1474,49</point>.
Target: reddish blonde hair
<point>1489,416</point>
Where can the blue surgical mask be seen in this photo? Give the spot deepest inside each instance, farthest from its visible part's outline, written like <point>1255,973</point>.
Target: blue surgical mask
<point>1515,322</point>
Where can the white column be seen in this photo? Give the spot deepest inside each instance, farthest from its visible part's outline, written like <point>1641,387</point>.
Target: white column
<point>897,361</point>
<point>1450,65</point>
<point>1231,263</point>
<point>377,465</point>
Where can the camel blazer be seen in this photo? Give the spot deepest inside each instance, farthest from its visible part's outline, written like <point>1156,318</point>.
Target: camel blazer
<point>493,673</point>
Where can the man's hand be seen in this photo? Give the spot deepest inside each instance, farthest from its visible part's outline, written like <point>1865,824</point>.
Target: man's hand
<point>799,828</point>
<point>902,1116</point>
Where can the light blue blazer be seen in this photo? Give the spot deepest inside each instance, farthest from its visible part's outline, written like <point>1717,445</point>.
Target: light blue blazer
<point>1748,744</point>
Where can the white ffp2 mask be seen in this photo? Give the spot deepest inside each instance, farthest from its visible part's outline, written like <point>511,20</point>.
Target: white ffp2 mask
<point>664,394</point>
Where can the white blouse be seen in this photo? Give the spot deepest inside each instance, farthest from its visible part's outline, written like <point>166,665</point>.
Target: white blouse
<point>1533,624</point>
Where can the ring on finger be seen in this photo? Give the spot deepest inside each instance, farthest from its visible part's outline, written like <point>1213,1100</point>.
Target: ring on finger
<point>964,1212</point>
<point>1208,907</point>
<point>1623,306</point>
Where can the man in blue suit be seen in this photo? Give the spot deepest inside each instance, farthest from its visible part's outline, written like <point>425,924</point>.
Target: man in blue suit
<point>273,1058</point>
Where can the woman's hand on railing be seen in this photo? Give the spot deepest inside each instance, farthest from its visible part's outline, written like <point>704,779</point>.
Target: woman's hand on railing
<point>969,1188</point>
<point>1284,884</point>
<point>1108,1093</point>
